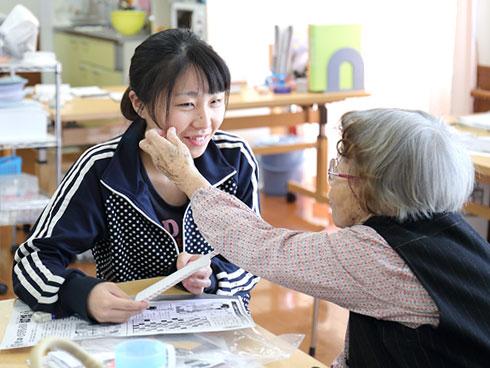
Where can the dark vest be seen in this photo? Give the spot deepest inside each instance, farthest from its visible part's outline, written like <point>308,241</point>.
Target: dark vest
<point>453,264</point>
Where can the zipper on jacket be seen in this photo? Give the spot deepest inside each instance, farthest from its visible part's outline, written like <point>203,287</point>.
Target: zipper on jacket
<point>144,214</point>
<point>189,206</point>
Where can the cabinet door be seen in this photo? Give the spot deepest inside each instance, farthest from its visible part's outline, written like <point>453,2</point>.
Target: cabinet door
<point>103,77</point>
<point>85,76</point>
<point>91,75</point>
<point>97,52</point>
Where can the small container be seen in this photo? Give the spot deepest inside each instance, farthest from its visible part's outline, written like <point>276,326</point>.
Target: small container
<point>279,83</point>
<point>147,353</point>
<point>10,165</point>
<point>18,187</point>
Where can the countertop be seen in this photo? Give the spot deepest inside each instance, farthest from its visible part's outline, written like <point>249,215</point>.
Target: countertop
<point>102,32</point>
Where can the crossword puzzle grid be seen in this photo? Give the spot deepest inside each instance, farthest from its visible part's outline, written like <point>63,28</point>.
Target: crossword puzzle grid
<point>170,324</point>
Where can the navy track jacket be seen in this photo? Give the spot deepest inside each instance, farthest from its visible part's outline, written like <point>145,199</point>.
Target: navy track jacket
<point>103,204</point>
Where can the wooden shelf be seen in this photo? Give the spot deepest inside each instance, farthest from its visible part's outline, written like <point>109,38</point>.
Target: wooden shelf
<point>282,148</point>
<point>478,210</point>
<point>481,93</point>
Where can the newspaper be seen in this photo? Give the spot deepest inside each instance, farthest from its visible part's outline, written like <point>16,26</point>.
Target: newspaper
<point>167,315</point>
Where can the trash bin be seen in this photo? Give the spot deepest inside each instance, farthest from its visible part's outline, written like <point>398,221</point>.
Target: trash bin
<point>278,169</point>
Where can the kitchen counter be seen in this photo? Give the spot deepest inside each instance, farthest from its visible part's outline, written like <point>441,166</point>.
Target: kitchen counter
<point>103,32</point>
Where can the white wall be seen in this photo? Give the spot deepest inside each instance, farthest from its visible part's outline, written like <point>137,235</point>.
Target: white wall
<point>408,46</point>
<point>33,5</point>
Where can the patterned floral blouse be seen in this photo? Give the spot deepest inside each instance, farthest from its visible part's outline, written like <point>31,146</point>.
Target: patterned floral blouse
<point>353,267</point>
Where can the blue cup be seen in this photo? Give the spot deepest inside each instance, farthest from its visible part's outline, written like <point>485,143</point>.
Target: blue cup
<point>147,353</point>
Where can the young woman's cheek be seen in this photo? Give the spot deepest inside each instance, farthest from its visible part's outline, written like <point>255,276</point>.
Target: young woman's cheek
<point>218,119</point>
<point>176,121</point>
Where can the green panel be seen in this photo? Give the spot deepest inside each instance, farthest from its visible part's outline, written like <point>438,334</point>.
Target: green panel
<point>324,41</point>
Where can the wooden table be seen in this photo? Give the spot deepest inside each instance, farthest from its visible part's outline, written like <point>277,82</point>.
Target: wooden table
<point>309,107</point>
<point>482,169</point>
<point>16,358</point>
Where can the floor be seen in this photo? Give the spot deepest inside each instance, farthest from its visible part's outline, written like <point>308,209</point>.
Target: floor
<point>280,310</point>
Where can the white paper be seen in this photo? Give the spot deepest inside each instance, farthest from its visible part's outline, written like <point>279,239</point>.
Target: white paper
<point>473,142</point>
<point>480,121</point>
<point>180,314</point>
<point>89,91</point>
<point>159,287</point>
<point>116,96</point>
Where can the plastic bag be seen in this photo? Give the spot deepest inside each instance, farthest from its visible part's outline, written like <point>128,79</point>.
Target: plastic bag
<point>18,32</point>
<point>257,344</point>
<point>245,348</point>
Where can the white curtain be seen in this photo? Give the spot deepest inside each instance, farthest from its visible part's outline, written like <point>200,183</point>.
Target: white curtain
<point>465,54</point>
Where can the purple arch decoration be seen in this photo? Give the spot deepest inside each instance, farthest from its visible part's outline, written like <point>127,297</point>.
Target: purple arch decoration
<point>351,56</point>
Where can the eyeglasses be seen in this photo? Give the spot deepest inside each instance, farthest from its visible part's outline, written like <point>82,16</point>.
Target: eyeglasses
<point>332,171</point>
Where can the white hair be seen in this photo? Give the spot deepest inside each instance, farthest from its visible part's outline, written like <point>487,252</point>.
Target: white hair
<point>410,164</point>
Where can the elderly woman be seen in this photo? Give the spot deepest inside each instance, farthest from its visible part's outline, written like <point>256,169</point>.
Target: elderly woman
<point>414,275</point>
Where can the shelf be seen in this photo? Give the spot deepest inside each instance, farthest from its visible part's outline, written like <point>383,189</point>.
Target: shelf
<point>22,211</point>
<point>50,141</point>
<point>27,210</point>
<point>18,67</point>
<point>283,148</point>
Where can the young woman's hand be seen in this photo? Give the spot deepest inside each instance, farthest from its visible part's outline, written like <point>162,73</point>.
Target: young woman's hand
<point>173,159</point>
<point>108,303</point>
<point>199,280</point>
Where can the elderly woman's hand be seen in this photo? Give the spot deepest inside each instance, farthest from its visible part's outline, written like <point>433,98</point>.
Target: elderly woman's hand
<point>172,158</point>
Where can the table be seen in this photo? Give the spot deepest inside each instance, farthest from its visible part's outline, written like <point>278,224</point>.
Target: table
<point>311,108</point>
<point>16,358</point>
<point>482,169</point>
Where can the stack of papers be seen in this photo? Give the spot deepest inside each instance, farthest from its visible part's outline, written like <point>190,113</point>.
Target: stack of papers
<point>91,91</point>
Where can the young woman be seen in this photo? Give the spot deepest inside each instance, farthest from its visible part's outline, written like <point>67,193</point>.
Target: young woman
<point>115,202</point>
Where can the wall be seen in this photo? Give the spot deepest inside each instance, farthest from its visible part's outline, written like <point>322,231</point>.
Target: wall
<point>33,5</point>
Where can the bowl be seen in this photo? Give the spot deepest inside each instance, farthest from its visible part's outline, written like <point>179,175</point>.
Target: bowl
<point>128,22</point>
<point>12,89</point>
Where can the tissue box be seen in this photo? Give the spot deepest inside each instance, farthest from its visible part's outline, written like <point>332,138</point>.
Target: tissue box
<point>26,121</point>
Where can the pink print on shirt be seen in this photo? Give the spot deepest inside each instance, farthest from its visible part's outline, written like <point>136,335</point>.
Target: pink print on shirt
<point>171,226</point>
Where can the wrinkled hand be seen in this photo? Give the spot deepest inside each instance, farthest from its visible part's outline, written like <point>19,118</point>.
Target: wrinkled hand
<point>199,280</point>
<point>108,303</point>
<point>173,159</point>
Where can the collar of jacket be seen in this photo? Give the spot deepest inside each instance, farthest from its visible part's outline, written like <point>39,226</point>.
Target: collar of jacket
<point>123,174</point>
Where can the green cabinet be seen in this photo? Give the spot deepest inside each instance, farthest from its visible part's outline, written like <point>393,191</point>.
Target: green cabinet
<point>88,60</point>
